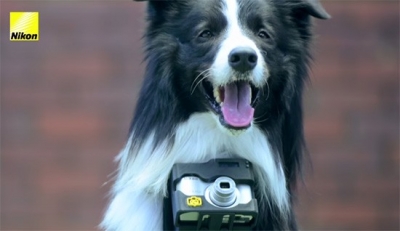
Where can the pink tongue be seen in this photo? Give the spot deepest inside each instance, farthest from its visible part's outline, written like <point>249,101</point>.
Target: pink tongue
<point>236,108</point>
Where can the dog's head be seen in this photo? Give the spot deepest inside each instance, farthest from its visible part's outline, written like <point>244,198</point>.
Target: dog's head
<point>229,56</point>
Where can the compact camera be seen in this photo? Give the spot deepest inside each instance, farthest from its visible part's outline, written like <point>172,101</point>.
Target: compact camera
<point>216,195</point>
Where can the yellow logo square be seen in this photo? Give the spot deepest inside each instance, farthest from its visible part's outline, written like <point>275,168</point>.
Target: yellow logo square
<point>194,201</point>
<point>24,26</point>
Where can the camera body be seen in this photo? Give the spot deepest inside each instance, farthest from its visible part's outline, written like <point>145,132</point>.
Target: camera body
<point>216,195</point>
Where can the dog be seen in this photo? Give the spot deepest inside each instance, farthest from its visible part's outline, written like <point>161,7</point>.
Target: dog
<point>222,76</point>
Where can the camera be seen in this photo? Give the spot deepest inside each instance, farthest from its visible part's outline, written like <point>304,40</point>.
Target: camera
<point>216,195</point>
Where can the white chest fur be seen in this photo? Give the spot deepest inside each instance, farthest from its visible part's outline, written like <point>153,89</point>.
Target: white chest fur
<point>141,182</point>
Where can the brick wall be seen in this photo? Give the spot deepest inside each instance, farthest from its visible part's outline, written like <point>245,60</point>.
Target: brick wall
<point>67,100</point>
<point>352,120</point>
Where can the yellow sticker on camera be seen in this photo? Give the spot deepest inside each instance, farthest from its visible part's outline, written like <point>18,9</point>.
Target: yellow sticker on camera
<point>194,201</point>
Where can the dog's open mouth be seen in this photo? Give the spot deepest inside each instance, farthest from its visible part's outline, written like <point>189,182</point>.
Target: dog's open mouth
<point>233,102</point>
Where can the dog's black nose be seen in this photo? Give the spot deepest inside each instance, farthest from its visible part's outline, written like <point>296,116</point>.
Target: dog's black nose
<point>242,59</point>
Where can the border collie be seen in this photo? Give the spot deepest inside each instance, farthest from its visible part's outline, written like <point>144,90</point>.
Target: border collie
<point>222,76</point>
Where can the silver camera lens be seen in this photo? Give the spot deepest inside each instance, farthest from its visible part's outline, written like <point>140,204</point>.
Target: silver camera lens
<point>223,192</point>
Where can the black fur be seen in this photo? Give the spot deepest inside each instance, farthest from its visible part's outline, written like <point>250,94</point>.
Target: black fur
<point>175,56</point>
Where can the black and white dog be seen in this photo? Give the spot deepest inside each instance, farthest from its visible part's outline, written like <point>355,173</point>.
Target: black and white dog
<point>222,76</point>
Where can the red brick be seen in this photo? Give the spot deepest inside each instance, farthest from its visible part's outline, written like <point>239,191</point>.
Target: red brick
<point>65,124</point>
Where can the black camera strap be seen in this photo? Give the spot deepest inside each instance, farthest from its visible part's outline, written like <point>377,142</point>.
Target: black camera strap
<point>168,218</point>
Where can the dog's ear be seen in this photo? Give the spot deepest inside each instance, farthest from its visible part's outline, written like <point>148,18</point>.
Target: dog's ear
<point>315,8</point>
<point>158,7</point>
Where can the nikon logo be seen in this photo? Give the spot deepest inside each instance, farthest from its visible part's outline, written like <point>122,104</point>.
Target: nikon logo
<point>23,36</point>
<point>24,26</point>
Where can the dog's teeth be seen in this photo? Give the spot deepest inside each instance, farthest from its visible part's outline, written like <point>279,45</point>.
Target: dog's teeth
<point>216,95</point>
<point>251,95</point>
<point>235,132</point>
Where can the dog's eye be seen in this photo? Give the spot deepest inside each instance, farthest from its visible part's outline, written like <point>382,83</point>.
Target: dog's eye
<point>263,34</point>
<point>206,34</point>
